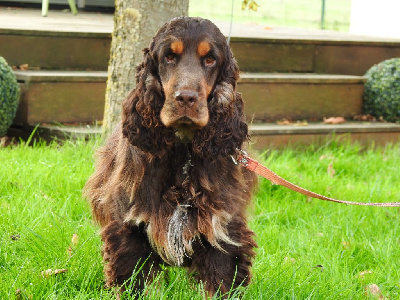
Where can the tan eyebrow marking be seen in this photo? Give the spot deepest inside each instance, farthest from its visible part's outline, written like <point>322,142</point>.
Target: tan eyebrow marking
<point>177,47</point>
<point>203,48</point>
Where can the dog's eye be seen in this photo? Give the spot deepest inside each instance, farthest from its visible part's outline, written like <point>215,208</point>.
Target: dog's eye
<point>209,61</point>
<point>170,58</point>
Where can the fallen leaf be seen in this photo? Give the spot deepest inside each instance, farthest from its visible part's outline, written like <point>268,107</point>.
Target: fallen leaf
<point>70,251</point>
<point>289,260</point>
<point>374,290</point>
<point>331,170</point>
<point>319,267</point>
<point>346,245</point>
<point>334,120</point>
<point>49,272</point>
<point>75,239</point>
<point>363,273</point>
<point>5,205</point>
<point>47,197</point>
<point>301,123</point>
<point>364,118</point>
<point>15,237</point>
<point>309,199</point>
<point>326,156</point>
<point>24,67</point>
<point>283,122</point>
<point>320,233</point>
<point>381,119</point>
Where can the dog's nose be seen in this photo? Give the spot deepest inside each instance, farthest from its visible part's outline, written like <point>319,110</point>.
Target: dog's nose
<point>186,97</point>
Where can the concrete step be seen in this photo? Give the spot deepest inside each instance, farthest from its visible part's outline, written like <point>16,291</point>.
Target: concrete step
<point>270,97</point>
<point>264,136</point>
<point>78,96</point>
<point>69,51</point>
<point>61,96</point>
<point>83,43</point>
<point>324,56</point>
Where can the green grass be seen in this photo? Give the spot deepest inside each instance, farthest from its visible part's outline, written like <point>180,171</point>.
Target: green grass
<point>281,13</point>
<point>307,249</point>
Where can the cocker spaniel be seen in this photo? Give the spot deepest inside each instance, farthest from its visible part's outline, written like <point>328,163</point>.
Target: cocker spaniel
<point>165,189</point>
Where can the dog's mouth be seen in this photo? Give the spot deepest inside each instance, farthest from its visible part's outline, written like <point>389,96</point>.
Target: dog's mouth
<point>185,129</point>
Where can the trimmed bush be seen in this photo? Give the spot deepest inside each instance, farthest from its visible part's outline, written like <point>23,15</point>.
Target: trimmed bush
<point>382,90</point>
<point>9,95</point>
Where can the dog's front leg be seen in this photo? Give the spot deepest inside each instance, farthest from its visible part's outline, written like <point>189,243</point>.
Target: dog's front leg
<point>127,250</point>
<point>221,271</point>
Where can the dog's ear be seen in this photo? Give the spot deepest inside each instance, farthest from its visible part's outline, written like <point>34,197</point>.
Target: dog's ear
<point>141,123</point>
<point>227,128</point>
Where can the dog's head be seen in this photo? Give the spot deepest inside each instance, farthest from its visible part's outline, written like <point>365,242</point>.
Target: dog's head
<point>186,87</point>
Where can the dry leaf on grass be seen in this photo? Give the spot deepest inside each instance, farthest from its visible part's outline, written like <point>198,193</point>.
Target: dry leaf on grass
<point>334,120</point>
<point>15,237</point>
<point>47,197</point>
<point>373,290</point>
<point>346,245</point>
<point>75,239</point>
<point>331,170</point>
<point>363,273</point>
<point>5,205</point>
<point>321,267</point>
<point>289,260</point>
<point>70,251</point>
<point>326,156</point>
<point>20,294</point>
<point>50,272</point>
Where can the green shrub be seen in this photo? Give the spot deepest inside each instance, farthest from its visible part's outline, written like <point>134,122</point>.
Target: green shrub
<point>382,90</point>
<point>9,95</point>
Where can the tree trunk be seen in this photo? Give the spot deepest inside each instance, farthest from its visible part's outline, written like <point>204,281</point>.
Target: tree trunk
<point>135,23</point>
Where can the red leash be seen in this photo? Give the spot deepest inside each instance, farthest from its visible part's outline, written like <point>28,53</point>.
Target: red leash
<point>244,160</point>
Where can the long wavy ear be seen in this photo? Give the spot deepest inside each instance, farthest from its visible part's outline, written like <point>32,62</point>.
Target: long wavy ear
<point>227,128</point>
<point>141,123</point>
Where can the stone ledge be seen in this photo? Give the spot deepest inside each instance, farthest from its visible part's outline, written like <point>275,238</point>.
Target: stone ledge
<point>321,128</point>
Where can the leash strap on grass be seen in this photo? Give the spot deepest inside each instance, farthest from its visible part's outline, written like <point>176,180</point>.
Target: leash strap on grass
<point>244,160</point>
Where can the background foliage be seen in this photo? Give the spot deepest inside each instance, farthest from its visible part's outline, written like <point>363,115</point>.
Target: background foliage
<point>382,90</point>
<point>9,96</point>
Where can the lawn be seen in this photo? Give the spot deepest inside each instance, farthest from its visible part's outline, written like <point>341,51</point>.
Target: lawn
<point>281,13</point>
<point>308,249</point>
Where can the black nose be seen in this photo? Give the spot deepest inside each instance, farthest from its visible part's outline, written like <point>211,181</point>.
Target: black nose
<point>186,97</point>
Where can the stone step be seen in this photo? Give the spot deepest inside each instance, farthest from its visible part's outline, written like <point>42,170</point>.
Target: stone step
<point>264,136</point>
<point>307,55</point>
<point>83,43</point>
<point>61,96</point>
<point>78,96</point>
<point>270,97</point>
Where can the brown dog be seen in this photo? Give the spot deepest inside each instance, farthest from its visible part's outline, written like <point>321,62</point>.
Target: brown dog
<point>165,190</point>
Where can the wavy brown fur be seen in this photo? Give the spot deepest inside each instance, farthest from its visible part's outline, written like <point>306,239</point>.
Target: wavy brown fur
<point>162,201</point>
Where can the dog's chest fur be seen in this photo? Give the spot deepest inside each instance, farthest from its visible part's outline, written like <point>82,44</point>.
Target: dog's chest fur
<point>181,216</point>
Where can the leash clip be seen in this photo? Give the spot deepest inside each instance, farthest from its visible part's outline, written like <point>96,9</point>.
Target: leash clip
<point>241,158</point>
